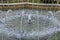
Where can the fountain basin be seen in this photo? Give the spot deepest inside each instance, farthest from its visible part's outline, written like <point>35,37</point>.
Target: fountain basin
<point>16,26</point>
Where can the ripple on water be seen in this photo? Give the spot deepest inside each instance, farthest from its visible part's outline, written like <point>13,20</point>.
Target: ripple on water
<point>29,31</point>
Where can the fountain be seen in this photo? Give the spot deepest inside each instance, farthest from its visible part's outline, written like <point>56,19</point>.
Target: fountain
<point>50,14</point>
<point>16,26</point>
<point>29,18</point>
<point>57,15</point>
<point>9,13</point>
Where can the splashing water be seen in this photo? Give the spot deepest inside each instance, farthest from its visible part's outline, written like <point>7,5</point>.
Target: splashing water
<point>47,25</point>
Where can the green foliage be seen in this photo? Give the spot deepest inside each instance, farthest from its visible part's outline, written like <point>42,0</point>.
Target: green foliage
<point>59,2</point>
<point>34,1</point>
<point>48,1</point>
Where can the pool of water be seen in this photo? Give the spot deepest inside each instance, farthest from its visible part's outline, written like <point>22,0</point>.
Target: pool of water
<point>15,26</point>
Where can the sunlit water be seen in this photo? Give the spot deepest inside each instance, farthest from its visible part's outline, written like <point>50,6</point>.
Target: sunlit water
<point>14,24</point>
